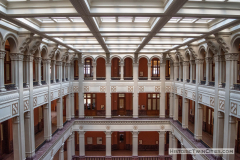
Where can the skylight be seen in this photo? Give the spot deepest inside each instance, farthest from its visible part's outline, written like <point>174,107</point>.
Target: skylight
<point>108,19</point>
<point>190,20</point>
<point>142,19</point>
<point>125,19</point>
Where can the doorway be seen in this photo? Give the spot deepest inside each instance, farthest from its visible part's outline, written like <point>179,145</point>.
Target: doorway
<point>121,140</point>
<point>121,104</point>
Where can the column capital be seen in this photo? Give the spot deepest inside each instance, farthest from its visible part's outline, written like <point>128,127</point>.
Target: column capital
<point>53,62</point>
<point>199,61</point>
<point>81,133</point>
<point>135,64</point>
<point>219,58</point>
<point>135,133</point>
<point>209,59</point>
<point>185,63</point>
<point>46,61</point>
<point>37,59</point>
<point>16,56</point>
<point>2,54</point>
<point>28,58</point>
<point>108,133</point>
<point>192,62</point>
<point>58,63</point>
<point>231,56</point>
<point>149,64</point>
<point>68,64</point>
<point>176,64</point>
<point>163,64</point>
<point>161,133</point>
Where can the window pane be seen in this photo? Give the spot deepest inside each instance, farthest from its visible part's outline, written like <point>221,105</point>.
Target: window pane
<point>158,104</point>
<point>121,95</point>
<point>149,104</point>
<point>157,95</point>
<point>84,95</point>
<point>88,104</point>
<point>154,96</point>
<point>93,95</point>
<point>88,95</point>
<point>154,104</point>
<point>93,104</point>
<point>149,95</point>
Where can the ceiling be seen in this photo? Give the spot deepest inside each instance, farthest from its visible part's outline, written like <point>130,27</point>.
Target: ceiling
<point>121,26</point>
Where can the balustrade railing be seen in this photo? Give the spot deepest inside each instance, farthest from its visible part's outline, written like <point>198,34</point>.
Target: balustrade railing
<point>167,78</point>
<point>143,78</point>
<point>43,82</point>
<point>35,83</point>
<point>128,78</point>
<point>155,78</point>
<point>115,78</point>
<point>236,86</point>
<point>166,157</point>
<point>75,78</point>
<point>101,78</point>
<point>10,86</point>
<point>188,80</point>
<point>88,78</point>
<point>212,83</point>
<point>203,82</point>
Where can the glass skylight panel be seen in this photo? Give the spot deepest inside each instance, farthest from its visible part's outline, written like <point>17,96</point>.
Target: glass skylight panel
<point>204,20</point>
<point>174,19</point>
<point>125,19</point>
<point>45,19</point>
<point>108,19</point>
<point>61,19</point>
<point>76,19</point>
<point>188,20</point>
<point>142,19</point>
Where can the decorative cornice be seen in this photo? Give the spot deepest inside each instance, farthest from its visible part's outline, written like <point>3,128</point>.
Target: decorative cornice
<point>231,56</point>
<point>16,56</point>
<point>135,123</point>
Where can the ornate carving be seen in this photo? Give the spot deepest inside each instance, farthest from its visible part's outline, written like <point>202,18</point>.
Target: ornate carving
<point>212,101</point>
<point>108,127</point>
<point>45,97</point>
<point>199,61</point>
<point>168,89</point>
<point>193,96</point>
<point>102,88</point>
<point>141,88</point>
<point>37,59</point>
<point>223,44</point>
<point>26,105</point>
<point>130,88</point>
<point>34,101</point>
<point>162,127</point>
<point>212,47</point>
<point>200,97</point>
<point>35,46</point>
<point>51,95</point>
<point>135,127</point>
<point>186,92</point>
<point>231,56</point>
<point>25,44</point>
<point>75,88</point>
<point>221,104</point>
<point>16,56</point>
<point>219,58</point>
<point>113,88</point>
<point>157,89</point>
<point>14,109</point>
<point>58,93</point>
<point>81,127</point>
<point>234,108</point>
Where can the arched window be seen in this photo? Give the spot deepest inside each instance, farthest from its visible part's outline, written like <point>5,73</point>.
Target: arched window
<point>88,68</point>
<point>155,63</point>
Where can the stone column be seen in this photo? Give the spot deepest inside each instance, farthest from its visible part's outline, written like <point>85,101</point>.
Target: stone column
<point>208,69</point>
<point>63,71</point>
<point>135,144</point>
<point>61,152</point>
<point>94,71</point>
<point>47,122</point>
<point>149,71</point>
<point>2,86</point>
<point>68,108</point>
<point>198,121</point>
<point>15,69</point>
<point>108,90</point>
<point>108,144</point>
<point>191,70</point>
<point>122,70</point>
<point>176,70</point>
<point>29,135</point>
<point>162,98</point>
<point>170,141</point>
<point>53,77</point>
<point>72,71</point>
<point>80,87</point>
<point>59,71</point>
<point>73,144</point>
<point>72,105</point>
<point>81,144</point>
<point>38,61</point>
<point>171,71</point>
<point>185,113</point>
<point>174,142</point>
<point>175,113</point>
<point>18,139</point>
<point>218,134</point>
<point>171,100</point>
<point>59,113</point>
<point>69,148</point>
<point>161,143</point>
<point>68,74</point>
<point>234,69</point>
<point>180,71</point>
<point>135,90</point>
<point>183,156</point>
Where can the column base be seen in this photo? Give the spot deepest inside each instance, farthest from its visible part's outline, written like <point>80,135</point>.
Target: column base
<point>135,158</point>
<point>198,139</point>
<point>135,116</point>
<point>108,116</point>
<point>161,116</point>
<point>48,139</point>
<point>161,157</point>
<point>80,116</point>
<point>2,90</point>
<point>30,157</point>
<point>108,157</point>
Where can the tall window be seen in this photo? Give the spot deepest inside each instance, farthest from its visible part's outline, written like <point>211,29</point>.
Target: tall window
<point>153,101</point>
<point>88,68</point>
<point>89,101</point>
<point>7,65</point>
<point>155,67</point>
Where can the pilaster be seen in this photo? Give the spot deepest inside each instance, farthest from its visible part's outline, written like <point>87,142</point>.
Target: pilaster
<point>135,144</point>
<point>2,55</point>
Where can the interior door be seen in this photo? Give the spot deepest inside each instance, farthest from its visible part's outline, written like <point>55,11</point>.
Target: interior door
<point>121,140</point>
<point>121,104</point>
